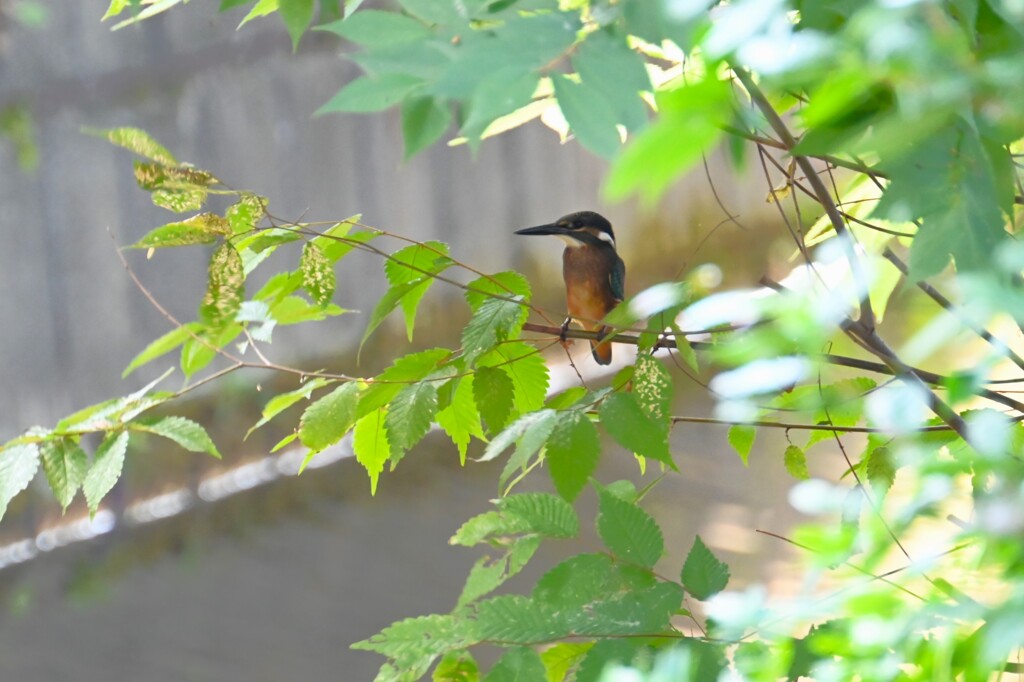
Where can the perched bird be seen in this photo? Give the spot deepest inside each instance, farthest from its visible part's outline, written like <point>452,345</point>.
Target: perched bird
<point>594,274</point>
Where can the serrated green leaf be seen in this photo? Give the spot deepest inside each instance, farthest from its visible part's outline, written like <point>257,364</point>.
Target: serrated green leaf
<point>366,94</point>
<point>204,228</point>
<point>414,643</point>
<point>295,310</point>
<point>18,466</point>
<point>65,464</point>
<point>628,531</point>
<point>424,121</point>
<point>317,274</point>
<point>387,304</point>
<point>296,15</point>
<point>603,654</point>
<point>514,619</point>
<point>542,421</point>
<point>409,415</point>
<point>137,141</point>
<point>179,200</point>
<point>543,513</point>
<point>377,28</point>
<point>741,438</point>
<point>494,321</point>
<point>161,346</point>
<point>536,428</point>
<point>105,470</point>
<point>281,402</point>
<point>416,263</point>
<point>151,176</point>
<point>632,427</point>
<point>370,443</point>
<point>487,575</point>
<point>573,451</point>
<point>508,284</point>
<point>880,469</point>
<point>185,432</point>
<point>521,664</point>
<point>225,288</point>
<point>460,419</point>
<point>499,93</point>
<point>796,463</point>
<point>493,391</point>
<point>527,369</point>
<point>567,398</point>
<point>703,574</point>
<point>338,240</point>
<point>330,417</point>
<point>585,579</point>
<point>404,370</point>
<point>560,658</point>
<point>637,612</point>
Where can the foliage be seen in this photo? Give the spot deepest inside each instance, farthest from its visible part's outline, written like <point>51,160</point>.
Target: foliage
<point>894,131</point>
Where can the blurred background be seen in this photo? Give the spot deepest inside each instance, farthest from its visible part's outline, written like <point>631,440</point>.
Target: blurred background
<point>239,569</point>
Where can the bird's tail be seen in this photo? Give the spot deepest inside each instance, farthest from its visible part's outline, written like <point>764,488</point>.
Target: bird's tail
<point>601,350</point>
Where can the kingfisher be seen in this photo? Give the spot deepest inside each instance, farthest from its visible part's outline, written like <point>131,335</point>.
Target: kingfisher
<point>594,274</point>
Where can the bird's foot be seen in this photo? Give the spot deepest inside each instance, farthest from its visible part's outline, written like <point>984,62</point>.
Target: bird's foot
<point>562,335</point>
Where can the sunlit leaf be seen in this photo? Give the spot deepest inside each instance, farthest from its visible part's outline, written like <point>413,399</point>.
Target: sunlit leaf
<point>328,418</point>
<point>741,438</point>
<point>628,531</point>
<point>796,463</point>
<point>137,141</point>
<point>225,287</point>
<point>493,391</point>
<point>161,346</point>
<point>204,228</point>
<point>633,428</point>
<point>370,443</point>
<point>296,15</point>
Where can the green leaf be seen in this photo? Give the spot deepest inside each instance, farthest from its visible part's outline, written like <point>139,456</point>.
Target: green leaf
<point>881,470</point>
<point>137,141</point>
<point>493,392</point>
<point>527,369</point>
<point>185,432</point>
<point>424,121</point>
<point>796,463</point>
<point>499,93</point>
<point>377,28</point>
<point>18,466</point>
<point>414,643</point>
<point>65,464</point>
<point>536,428</point>
<point>404,370</point>
<point>330,417</point>
<point>387,303</point>
<point>370,443</point>
<point>487,575</point>
<point>573,451</point>
<point>161,346</point>
<point>225,288</point>
<point>590,115</point>
<point>542,513</point>
<point>281,402</point>
<point>606,63</point>
<point>460,419</point>
<point>261,9</point>
<point>560,658</point>
<point>457,666</point>
<point>703,574</point>
<point>204,228</point>
<point>366,94</point>
<point>317,274</point>
<point>630,425</point>
<point>606,653</point>
<point>246,213</point>
<point>741,438</point>
<point>507,284</point>
<point>416,263</point>
<point>628,531</point>
<point>105,470</point>
<point>521,664</point>
<point>410,414</point>
<point>495,320</point>
<point>296,15</point>
<point>690,123</point>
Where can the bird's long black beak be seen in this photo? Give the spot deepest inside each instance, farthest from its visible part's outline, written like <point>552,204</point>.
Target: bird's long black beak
<point>545,229</point>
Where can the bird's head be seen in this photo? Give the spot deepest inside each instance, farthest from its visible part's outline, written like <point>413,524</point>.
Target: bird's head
<point>583,228</point>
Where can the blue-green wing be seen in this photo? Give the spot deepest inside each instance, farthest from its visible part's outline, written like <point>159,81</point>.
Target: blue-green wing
<point>617,279</point>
